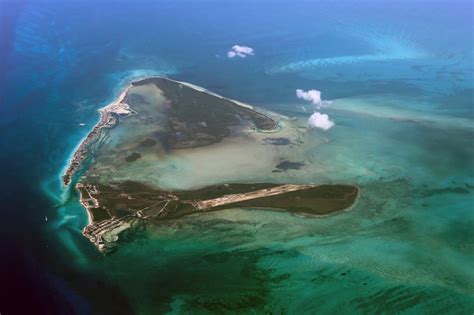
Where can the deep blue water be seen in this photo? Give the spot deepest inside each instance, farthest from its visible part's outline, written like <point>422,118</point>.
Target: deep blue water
<point>61,61</point>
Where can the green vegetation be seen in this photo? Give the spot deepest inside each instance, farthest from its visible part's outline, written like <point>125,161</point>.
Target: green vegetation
<point>317,200</point>
<point>99,214</point>
<point>129,197</point>
<point>197,118</point>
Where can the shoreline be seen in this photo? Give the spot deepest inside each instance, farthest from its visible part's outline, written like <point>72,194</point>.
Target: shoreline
<point>203,90</point>
<point>243,105</point>
<point>104,232</point>
<point>122,86</point>
<point>90,217</point>
<point>99,230</point>
<point>107,119</point>
<point>120,108</point>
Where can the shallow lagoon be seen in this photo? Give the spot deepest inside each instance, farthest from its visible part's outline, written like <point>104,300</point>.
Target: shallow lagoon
<point>406,246</point>
<point>246,155</point>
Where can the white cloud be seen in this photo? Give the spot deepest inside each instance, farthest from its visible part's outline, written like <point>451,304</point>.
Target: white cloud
<point>313,96</point>
<point>317,119</point>
<point>321,121</point>
<point>241,51</point>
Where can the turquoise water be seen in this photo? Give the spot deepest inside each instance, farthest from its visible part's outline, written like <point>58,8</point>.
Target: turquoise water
<point>400,78</point>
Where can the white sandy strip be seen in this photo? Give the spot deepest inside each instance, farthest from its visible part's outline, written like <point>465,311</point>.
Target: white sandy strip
<point>198,88</point>
<point>117,100</point>
<point>117,106</point>
<point>90,219</point>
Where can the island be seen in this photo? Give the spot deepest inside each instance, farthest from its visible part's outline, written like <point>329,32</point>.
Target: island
<point>165,149</point>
